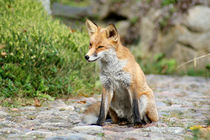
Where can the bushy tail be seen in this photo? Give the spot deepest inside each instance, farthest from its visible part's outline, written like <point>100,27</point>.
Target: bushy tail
<point>91,113</point>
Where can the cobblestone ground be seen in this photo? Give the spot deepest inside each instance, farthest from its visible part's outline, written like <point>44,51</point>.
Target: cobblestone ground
<point>182,102</point>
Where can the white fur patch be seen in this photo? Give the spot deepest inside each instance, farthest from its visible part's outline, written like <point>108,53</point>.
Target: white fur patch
<point>142,106</point>
<point>90,119</point>
<point>112,74</point>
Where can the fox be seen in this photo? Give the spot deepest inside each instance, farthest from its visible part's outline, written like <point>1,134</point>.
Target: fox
<point>125,93</point>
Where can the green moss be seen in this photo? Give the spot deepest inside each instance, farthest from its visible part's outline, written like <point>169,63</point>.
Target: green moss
<point>42,55</point>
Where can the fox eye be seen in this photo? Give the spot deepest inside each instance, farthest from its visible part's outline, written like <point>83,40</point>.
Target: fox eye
<point>100,46</point>
<point>90,45</point>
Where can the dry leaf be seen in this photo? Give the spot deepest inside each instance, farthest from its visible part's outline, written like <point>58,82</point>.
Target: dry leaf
<point>2,46</point>
<point>14,109</point>
<point>81,102</point>
<point>3,53</point>
<point>37,103</point>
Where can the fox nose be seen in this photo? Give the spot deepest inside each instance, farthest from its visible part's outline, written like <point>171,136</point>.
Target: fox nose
<point>87,57</point>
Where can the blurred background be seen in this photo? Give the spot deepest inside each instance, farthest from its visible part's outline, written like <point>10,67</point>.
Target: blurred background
<point>43,42</point>
<point>164,33</point>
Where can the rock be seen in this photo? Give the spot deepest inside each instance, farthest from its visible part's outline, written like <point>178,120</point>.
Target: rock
<point>161,136</point>
<point>176,130</point>
<point>126,9</point>
<point>59,138</point>
<point>70,11</point>
<point>9,130</point>
<point>80,136</point>
<point>123,27</point>
<point>77,136</point>
<point>39,133</point>
<point>69,108</point>
<point>3,114</point>
<point>182,102</point>
<point>31,108</point>
<point>191,45</point>
<point>182,42</point>
<point>195,41</point>
<point>179,43</point>
<point>198,19</point>
<point>172,130</point>
<point>46,4</point>
<point>88,129</point>
<point>55,124</point>
<point>7,123</point>
<point>146,33</point>
<point>99,10</point>
<point>57,103</point>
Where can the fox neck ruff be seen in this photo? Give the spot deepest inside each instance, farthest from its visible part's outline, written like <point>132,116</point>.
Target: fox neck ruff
<point>112,74</point>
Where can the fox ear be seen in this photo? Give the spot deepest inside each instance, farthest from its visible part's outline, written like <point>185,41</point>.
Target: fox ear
<point>91,26</point>
<point>111,32</point>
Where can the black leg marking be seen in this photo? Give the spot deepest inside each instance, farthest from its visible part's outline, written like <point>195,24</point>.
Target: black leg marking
<point>101,117</point>
<point>146,119</point>
<point>136,113</point>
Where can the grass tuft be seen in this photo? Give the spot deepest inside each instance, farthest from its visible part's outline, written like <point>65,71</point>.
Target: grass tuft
<point>39,55</point>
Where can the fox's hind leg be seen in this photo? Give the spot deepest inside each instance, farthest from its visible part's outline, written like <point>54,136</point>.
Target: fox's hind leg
<point>136,112</point>
<point>152,110</point>
<point>147,109</point>
<point>113,115</point>
<point>144,108</point>
<point>143,102</point>
<point>139,110</point>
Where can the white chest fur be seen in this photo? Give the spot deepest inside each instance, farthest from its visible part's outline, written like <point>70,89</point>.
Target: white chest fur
<point>112,74</point>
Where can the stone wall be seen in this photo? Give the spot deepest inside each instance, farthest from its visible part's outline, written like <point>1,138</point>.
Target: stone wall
<point>187,39</point>
<point>180,31</point>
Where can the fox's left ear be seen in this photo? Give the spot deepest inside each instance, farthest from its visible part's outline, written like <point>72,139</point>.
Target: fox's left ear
<point>91,26</point>
<point>111,32</point>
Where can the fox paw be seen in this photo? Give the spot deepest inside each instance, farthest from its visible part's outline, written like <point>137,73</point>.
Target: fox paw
<point>100,123</point>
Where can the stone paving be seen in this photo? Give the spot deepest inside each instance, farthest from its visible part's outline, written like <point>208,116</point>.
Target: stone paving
<point>182,102</point>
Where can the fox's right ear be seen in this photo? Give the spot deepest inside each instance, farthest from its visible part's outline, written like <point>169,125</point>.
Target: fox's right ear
<point>91,26</point>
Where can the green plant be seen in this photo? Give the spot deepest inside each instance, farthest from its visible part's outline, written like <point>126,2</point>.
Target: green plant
<point>159,64</point>
<point>77,3</point>
<point>197,72</point>
<point>134,20</point>
<point>200,132</point>
<point>39,55</point>
<point>168,2</point>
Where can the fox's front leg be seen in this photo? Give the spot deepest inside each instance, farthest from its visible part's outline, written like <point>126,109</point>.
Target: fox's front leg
<point>144,108</point>
<point>138,107</point>
<point>105,103</point>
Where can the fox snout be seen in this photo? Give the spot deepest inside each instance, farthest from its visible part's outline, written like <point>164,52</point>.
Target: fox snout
<point>91,55</point>
<point>87,57</point>
<point>91,58</point>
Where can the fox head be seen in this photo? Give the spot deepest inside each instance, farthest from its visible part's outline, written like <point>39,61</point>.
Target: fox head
<point>101,40</point>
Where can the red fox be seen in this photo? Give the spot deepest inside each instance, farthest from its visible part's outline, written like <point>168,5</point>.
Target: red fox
<point>126,94</point>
